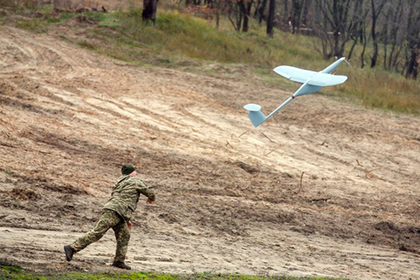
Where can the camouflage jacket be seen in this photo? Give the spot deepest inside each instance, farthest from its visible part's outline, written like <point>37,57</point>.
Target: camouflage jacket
<point>125,195</point>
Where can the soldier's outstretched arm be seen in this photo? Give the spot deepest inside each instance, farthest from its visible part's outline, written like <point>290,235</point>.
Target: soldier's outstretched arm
<point>147,191</point>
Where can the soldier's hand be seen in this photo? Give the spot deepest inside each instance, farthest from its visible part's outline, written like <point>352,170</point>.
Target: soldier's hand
<point>129,224</point>
<point>149,201</point>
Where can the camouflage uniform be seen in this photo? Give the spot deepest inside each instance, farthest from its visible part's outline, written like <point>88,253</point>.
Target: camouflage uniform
<point>116,213</point>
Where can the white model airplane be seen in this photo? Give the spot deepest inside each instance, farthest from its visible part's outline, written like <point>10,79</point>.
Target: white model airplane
<point>312,82</point>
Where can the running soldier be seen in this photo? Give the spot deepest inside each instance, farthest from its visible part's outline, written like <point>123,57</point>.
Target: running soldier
<point>116,214</point>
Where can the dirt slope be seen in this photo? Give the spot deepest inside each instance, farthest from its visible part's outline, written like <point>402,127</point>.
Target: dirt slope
<point>323,188</point>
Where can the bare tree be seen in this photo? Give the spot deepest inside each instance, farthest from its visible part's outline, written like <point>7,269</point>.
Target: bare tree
<point>333,29</point>
<point>245,8</point>
<point>239,13</point>
<point>359,20</point>
<point>384,35</point>
<point>364,40</point>
<point>297,7</point>
<point>395,25</point>
<point>286,11</point>
<point>259,10</point>
<point>307,7</point>
<point>299,14</point>
<point>376,8</point>
<point>389,33</point>
<point>234,14</point>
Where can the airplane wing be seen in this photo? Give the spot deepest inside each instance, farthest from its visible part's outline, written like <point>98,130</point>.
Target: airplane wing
<point>294,74</point>
<point>313,78</point>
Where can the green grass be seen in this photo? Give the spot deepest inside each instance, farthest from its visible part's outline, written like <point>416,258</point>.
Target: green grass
<point>179,37</point>
<point>182,40</point>
<point>12,272</point>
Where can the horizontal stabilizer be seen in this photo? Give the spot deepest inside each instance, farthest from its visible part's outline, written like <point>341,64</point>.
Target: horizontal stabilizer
<point>252,107</point>
<point>255,114</point>
<point>313,78</point>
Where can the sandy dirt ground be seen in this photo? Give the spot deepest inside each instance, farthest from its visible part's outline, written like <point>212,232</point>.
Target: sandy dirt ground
<point>324,188</point>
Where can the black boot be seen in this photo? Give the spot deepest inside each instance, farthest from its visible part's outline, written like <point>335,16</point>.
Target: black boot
<point>121,265</point>
<point>69,252</point>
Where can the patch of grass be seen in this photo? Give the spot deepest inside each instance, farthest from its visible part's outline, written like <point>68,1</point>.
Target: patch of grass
<point>40,20</point>
<point>184,36</point>
<point>85,44</point>
<point>11,272</point>
<point>383,90</point>
<point>11,269</point>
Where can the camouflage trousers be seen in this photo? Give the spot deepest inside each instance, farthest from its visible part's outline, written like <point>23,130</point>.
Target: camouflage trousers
<point>109,219</point>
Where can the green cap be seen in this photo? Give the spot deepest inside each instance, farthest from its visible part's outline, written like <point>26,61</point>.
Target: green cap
<point>127,169</point>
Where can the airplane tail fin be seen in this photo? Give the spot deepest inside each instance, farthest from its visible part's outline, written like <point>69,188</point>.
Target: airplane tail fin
<point>334,65</point>
<point>255,114</point>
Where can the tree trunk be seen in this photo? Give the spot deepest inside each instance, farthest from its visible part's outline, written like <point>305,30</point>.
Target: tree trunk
<point>296,11</point>
<point>385,36</point>
<point>149,11</point>
<point>373,34</point>
<point>286,11</point>
<point>413,41</point>
<point>261,10</point>
<point>413,64</point>
<point>363,37</point>
<point>395,26</point>
<point>245,8</point>
<point>352,47</point>
<point>306,8</point>
<point>359,18</point>
<point>375,14</point>
<point>217,5</point>
<point>270,19</point>
<point>235,14</point>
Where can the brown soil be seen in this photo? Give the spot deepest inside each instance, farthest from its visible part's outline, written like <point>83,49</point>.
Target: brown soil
<point>323,188</point>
